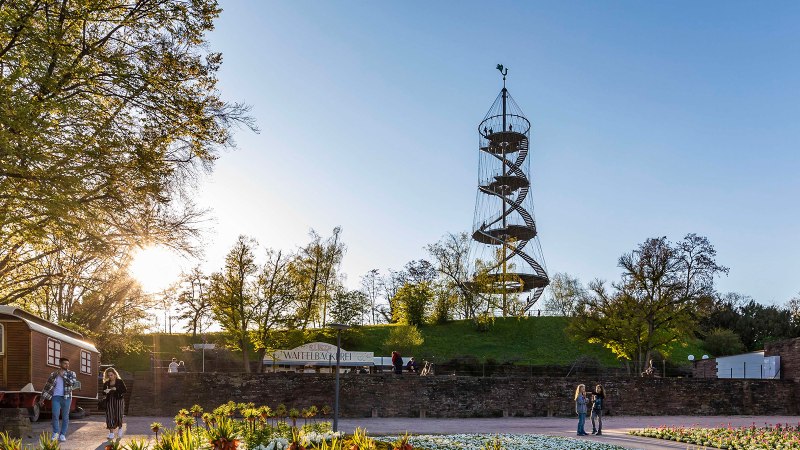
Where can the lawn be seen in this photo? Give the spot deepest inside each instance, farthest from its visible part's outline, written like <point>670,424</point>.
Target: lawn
<point>538,341</point>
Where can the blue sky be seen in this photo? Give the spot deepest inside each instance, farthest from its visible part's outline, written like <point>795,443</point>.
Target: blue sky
<point>649,119</point>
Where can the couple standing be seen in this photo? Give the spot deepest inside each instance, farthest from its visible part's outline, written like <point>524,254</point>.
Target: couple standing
<point>58,389</point>
<point>584,403</point>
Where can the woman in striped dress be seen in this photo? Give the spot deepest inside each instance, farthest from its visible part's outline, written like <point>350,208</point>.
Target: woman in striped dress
<point>114,389</point>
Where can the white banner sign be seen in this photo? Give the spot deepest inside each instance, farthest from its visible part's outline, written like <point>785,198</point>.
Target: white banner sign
<point>319,353</point>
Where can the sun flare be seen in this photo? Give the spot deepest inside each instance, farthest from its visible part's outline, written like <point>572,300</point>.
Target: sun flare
<point>155,268</point>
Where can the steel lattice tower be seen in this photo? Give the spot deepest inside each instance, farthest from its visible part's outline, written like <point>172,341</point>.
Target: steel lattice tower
<point>504,230</point>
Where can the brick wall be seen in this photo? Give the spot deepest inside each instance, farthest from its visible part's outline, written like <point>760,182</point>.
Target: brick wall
<point>704,368</point>
<point>445,396</point>
<point>789,351</point>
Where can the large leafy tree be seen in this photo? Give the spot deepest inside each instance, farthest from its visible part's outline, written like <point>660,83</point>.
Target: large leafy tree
<point>232,293</point>
<point>664,291</point>
<point>316,270</point>
<point>413,302</point>
<point>349,306</point>
<point>275,296</point>
<point>108,110</point>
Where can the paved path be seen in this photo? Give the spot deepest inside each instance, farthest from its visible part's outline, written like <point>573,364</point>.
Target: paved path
<point>90,433</point>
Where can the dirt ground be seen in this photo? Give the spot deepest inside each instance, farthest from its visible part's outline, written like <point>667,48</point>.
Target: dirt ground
<point>90,433</point>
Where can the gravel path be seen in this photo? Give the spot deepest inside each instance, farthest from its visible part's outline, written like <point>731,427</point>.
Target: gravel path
<point>90,433</point>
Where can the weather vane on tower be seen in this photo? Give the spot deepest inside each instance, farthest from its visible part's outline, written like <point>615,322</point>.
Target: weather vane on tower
<point>504,71</point>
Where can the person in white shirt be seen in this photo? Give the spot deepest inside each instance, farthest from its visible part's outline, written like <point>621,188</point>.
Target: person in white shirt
<point>173,366</point>
<point>58,389</point>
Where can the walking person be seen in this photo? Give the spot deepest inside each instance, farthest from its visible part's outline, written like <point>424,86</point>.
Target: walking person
<point>599,396</point>
<point>114,389</point>
<point>580,408</point>
<point>58,389</point>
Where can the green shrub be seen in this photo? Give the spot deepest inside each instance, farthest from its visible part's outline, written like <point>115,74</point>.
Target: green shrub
<point>721,342</point>
<point>403,338</point>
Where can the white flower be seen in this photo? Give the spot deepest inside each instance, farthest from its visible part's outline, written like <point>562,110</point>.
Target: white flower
<point>510,441</point>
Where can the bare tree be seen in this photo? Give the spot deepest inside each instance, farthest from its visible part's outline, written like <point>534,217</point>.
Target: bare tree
<point>370,285</point>
<point>566,294</point>
<point>194,305</point>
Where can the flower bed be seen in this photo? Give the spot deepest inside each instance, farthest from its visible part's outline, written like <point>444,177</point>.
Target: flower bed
<point>505,441</point>
<point>768,437</point>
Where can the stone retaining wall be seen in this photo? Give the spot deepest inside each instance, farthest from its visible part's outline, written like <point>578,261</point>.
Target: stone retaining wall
<point>386,395</point>
<point>789,351</point>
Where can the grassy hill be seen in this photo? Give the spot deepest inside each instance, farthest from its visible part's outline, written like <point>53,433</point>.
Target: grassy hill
<point>530,341</point>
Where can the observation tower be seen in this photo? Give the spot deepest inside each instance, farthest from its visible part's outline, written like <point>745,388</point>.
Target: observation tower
<point>510,261</point>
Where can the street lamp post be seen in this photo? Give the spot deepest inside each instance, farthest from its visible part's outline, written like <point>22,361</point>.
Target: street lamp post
<point>338,327</point>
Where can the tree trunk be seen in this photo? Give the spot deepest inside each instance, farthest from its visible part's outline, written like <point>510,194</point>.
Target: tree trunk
<point>245,354</point>
<point>260,354</point>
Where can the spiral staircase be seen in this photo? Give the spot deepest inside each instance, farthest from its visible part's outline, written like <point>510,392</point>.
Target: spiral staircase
<point>503,221</point>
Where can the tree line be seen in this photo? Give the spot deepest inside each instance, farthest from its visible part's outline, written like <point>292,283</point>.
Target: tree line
<point>666,297</point>
<point>305,289</point>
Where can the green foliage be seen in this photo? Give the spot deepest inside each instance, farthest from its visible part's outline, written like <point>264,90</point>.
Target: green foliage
<point>483,322</point>
<point>361,441</point>
<point>47,443</point>
<point>137,444</point>
<point>565,294</point>
<point>508,340</point>
<point>445,302</point>
<point>754,323</point>
<point>412,303</point>
<point>232,295</point>
<point>315,270</point>
<point>109,110</point>
<point>403,338</point>
<point>657,303</point>
<point>494,444</point>
<point>9,443</point>
<point>225,430</point>
<point>349,307</point>
<point>722,342</point>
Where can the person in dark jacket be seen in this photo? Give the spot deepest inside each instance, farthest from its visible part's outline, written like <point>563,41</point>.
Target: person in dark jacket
<point>397,363</point>
<point>599,396</point>
<point>114,390</point>
<point>412,365</point>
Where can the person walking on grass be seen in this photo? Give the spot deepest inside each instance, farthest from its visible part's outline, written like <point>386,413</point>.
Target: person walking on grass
<point>580,408</point>
<point>114,390</point>
<point>58,389</point>
<point>599,396</point>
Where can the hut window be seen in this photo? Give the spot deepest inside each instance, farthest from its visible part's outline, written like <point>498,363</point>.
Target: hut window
<point>86,362</point>
<point>2,339</point>
<point>53,351</point>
